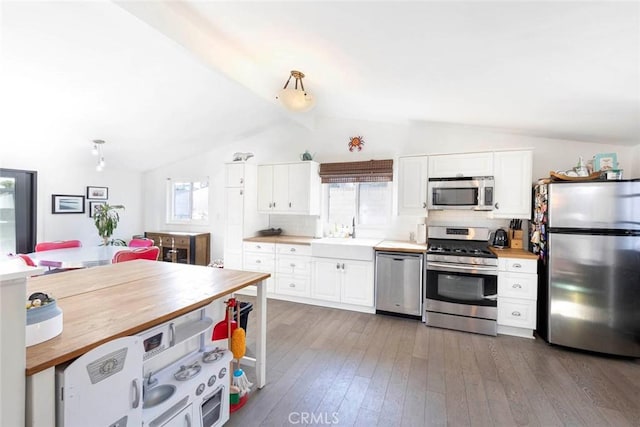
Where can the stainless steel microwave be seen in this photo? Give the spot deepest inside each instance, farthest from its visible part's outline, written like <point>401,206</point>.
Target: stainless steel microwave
<point>472,193</point>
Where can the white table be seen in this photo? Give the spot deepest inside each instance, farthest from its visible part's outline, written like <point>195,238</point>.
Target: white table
<point>85,256</point>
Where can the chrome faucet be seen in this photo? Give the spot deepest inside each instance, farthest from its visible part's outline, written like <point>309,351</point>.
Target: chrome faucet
<point>353,227</point>
<point>150,382</point>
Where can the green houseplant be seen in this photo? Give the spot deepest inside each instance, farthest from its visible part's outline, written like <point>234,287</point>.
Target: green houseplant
<point>106,219</point>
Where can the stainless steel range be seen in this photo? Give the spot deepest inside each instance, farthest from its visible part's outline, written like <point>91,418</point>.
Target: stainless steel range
<point>461,280</point>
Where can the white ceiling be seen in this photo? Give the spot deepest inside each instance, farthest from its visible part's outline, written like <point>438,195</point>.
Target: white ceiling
<point>184,76</point>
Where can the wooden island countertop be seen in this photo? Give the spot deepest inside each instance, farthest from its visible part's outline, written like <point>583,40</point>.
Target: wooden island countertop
<point>100,304</point>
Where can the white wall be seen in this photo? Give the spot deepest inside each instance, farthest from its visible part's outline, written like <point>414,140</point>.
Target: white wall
<point>329,141</point>
<point>57,176</point>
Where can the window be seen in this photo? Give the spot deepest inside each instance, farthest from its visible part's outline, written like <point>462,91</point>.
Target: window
<point>188,202</point>
<point>368,202</point>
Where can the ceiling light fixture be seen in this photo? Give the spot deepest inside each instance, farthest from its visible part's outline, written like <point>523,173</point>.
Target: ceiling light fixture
<point>296,98</point>
<point>97,151</point>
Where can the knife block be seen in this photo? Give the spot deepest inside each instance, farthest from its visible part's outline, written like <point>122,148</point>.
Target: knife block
<point>515,239</point>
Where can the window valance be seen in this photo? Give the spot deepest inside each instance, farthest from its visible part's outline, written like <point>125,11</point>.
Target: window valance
<point>367,171</point>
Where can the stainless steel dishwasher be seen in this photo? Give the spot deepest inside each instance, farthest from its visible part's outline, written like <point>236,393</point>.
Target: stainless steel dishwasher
<point>399,283</point>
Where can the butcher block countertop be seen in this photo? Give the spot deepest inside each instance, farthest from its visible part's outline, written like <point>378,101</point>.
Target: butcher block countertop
<point>512,253</point>
<point>401,246</point>
<point>292,240</point>
<point>102,303</point>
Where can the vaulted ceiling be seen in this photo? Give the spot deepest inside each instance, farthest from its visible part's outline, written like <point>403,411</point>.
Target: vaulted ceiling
<point>165,80</point>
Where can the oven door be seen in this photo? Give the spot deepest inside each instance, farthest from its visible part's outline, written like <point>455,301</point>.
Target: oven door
<point>463,290</point>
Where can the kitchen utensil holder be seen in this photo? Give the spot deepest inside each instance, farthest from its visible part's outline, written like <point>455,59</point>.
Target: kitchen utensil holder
<point>515,239</point>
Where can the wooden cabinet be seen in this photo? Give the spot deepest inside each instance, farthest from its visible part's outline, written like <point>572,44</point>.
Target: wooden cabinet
<point>513,180</point>
<point>461,165</point>
<point>517,296</point>
<point>186,248</point>
<point>343,281</point>
<point>242,219</point>
<point>412,185</point>
<point>289,188</point>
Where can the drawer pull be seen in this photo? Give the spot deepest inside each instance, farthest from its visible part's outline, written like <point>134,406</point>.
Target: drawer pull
<point>338,266</point>
<point>292,250</point>
<point>292,265</point>
<point>241,180</point>
<point>516,313</point>
<point>258,261</point>
<point>516,286</point>
<point>516,265</point>
<point>342,266</point>
<point>292,285</point>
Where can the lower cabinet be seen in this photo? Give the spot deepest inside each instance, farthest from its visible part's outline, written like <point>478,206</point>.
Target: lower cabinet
<point>293,270</point>
<point>343,281</point>
<point>259,257</point>
<point>517,296</point>
<point>183,419</point>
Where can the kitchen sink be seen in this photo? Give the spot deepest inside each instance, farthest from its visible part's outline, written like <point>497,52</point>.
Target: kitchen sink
<point>157,395</point>
<point>344,248</point>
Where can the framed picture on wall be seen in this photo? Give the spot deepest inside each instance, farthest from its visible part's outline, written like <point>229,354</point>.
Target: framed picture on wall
<point>98,193</point>
<point>605,161</point>
<point>93,206</point>
<point>66,204</point>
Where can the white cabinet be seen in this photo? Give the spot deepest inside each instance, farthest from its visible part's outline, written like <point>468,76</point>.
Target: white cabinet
<point>241,215</point>
<point>412,185</point>
<point>260,257</point>
<point>289,188</point>
<point>183,418</point>
<point>513,176</point>
<point>109,373</point>
<point>461,165</point>
<point>343,281</point>
<point>517,296</point>
<point>293,270</point>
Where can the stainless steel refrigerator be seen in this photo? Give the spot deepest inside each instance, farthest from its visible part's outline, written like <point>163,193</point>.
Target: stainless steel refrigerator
<point>587,235</point>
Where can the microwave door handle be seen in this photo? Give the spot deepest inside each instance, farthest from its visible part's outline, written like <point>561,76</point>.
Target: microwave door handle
<point>491,297</point>
<point>460,267</point>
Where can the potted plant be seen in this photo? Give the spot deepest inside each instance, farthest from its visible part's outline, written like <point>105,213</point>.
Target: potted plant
<point>106,218</point>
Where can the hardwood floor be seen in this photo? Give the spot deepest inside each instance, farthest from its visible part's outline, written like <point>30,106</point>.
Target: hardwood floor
<point>335,367</point>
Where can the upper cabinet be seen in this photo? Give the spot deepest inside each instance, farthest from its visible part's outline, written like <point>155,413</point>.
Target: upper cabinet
<point>461,165</point>
<point>289,188</point>
<point>412,185</point>
<point>234,174</point>
<point>513,178</point>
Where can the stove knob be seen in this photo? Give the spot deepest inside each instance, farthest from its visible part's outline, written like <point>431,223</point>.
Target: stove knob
<point>212,380</point>
<point>222,373</point>
<point>200,389</point>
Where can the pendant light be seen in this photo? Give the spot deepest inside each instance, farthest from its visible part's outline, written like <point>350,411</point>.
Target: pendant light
<point>294,97</point>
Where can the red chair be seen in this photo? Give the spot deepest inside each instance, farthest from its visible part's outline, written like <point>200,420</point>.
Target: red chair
<point>151,253</point>
<point>60,244</point>
<point>141,243</point>
<point>27,260</point>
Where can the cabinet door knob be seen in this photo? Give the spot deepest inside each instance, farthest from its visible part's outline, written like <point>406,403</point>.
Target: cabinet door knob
<point>258,247</point>
<point>424,205</point>
<point>289,204</point>
<point>516,286</point>
<point>258,261</point>
<point>292,285</point>
<point>292,249</point>
<point>292,265</point>
<point>338,266</point>
<point>241,192</point>
<point>516,313</point>
<point>342,266</point>
<point>274,204</point>
<point>241,180</point>
<point>497,205</point>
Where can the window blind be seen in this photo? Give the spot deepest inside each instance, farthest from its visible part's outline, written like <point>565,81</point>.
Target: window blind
<point>367,171</point>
